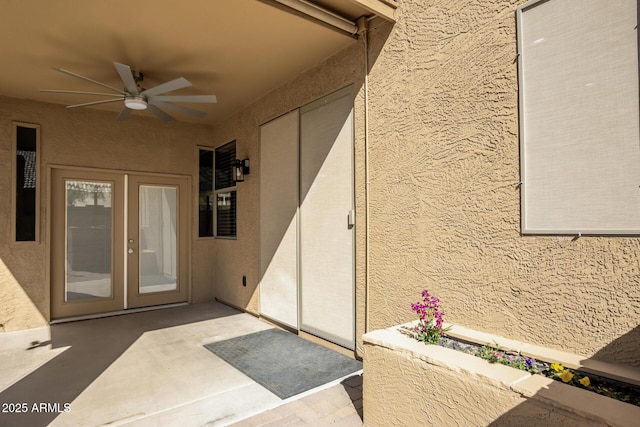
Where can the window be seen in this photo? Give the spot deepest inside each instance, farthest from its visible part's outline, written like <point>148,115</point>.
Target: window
<point>206,199</point>
<point>225,190</point>
<point>217,192</point>
<point>26,166</point>
<point>579,130</point>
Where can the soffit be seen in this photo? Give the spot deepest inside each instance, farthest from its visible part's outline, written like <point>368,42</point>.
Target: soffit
<point>238,50</point>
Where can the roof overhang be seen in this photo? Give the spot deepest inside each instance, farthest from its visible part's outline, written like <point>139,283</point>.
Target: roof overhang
<point>238,50</point>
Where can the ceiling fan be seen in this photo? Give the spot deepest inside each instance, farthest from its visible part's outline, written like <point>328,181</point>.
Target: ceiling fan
<point>135,97</point>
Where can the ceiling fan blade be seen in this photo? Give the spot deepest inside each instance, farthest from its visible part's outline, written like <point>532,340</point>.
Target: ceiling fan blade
<point>185,98</point>
<point>95,103</point>
<point>159,113</point>
<point>178,83</point>
<point>179,108</point>
<point>76,92</point>
<point>127,77</point>
<point>126,112</point>
<point>90,80</point>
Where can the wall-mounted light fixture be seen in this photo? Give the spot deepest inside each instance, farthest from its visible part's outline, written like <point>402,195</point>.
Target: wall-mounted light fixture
<point>240,169</point>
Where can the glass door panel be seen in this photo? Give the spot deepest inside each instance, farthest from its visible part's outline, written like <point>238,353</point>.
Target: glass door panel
<point>87,241</point>
<point>88,225</point>
<point>157,239</point>
<point>157,243</point>
<point>118,241</point>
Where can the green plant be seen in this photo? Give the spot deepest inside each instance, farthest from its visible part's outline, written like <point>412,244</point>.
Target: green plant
<point>430,326</point>
<point>430,330</point>
<point>556,371</point>
<point>493,354</point>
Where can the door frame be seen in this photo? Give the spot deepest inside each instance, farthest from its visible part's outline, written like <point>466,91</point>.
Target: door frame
<point>349,220</point>
<point>133,298</point>
<point>270,313</point>
<point>185,215</point>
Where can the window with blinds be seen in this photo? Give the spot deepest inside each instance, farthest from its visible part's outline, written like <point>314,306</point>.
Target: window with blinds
<point>225,191</point>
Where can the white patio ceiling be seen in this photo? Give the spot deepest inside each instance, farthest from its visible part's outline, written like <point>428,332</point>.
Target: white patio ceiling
<point>238,50</point>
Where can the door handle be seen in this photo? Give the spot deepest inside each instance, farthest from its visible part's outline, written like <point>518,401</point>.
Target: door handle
<point>130,250</point>
<point>351,219</point>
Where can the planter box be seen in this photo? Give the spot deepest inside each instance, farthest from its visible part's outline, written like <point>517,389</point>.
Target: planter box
<point>408,383</point>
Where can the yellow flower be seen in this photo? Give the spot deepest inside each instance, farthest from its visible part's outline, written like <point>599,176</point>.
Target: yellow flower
<point>557,367</point>
<point>566,376</point>
<point>585,381</point>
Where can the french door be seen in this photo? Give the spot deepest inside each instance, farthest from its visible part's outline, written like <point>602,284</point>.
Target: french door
<point>118,241</point>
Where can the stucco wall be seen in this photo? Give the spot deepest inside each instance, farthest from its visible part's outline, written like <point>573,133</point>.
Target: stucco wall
<point>235,258</point>
<point>444,201</point>
<point>431,395</point>
<point>408,383</point>
<point>88,138</point>
<point>445,205</point>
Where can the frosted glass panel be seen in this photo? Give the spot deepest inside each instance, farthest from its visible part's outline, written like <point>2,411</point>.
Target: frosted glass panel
<point>88,221</point>
<point>158,249</point>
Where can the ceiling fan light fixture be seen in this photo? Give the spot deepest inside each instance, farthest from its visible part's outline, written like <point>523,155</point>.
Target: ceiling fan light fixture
<point>135,103</point>
<point>137,98</point>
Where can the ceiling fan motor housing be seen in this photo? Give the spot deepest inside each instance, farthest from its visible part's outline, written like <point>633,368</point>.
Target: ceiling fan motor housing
<point>138,76</point>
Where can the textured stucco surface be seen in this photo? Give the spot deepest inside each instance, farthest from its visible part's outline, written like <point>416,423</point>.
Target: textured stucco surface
<point>445,205</point>
<point>408,383</point>
<point>400,390</point>
<point>93,139</point>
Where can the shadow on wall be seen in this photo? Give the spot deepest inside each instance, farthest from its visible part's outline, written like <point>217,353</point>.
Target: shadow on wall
<point>307,173</point>
<point>22,285</point>
<point>377,37</point>
<point>625,349</point>
<point>91,348</point>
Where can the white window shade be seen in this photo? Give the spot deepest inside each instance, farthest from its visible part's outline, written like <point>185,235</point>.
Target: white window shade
<point>327,293</point>
<point>279,141</point>
<point>580,143</point>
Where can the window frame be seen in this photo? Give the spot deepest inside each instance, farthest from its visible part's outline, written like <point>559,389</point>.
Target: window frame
<point>528,218</point>
<point>14,177</point>
<point>209,193</point>
<point>216,191</point>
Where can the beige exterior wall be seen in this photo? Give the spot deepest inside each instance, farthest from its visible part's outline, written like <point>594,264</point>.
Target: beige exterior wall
<point>444,201</point>
<point>407,383</point>
<point>93,139</point>
<point>235,258</point>
<point>445,205</point>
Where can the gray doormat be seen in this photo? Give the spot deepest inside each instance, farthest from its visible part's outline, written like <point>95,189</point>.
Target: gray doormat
<point>282,362</point>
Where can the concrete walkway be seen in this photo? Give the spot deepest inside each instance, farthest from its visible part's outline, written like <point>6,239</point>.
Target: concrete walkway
<point>339,405</point>
<point>149,369</point>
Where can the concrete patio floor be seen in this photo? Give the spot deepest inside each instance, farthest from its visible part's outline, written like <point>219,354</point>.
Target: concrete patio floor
<point>148,369</point>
